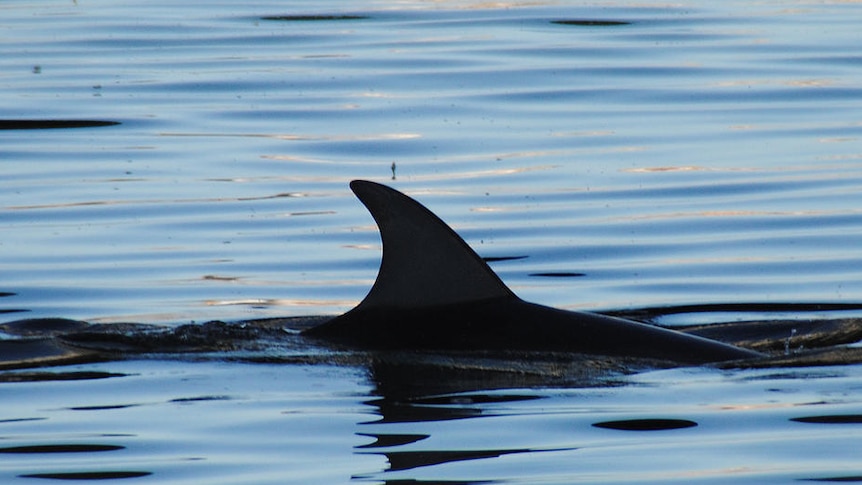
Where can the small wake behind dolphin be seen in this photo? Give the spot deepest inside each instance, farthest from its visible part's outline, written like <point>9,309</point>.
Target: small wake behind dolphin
<point>434,292</point>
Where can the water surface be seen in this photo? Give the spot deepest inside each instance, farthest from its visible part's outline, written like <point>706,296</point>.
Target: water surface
<point>187,422</point>
<point>168,164</point>
<point>687,154</point>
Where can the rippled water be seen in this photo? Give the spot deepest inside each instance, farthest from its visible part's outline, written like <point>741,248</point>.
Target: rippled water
<point>694,154</point>
<point>670,153</point>
<point>187,422</point>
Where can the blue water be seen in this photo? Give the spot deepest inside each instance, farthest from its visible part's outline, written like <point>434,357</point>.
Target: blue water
<point>671,153</point>
<point>216,422</point>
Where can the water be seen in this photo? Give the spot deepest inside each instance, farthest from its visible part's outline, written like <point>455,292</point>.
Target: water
<point>673,154</point>
<point>193,422</point>
<point>698,154</point>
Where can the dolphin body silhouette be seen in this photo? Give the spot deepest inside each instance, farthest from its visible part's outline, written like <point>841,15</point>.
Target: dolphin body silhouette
<point>433,292</point>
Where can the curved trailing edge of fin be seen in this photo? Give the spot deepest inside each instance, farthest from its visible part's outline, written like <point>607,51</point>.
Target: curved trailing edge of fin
<point>425,263</point>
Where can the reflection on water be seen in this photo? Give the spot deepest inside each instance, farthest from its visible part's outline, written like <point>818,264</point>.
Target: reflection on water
<point>88,475</point>
<point>52,124</point>
<point>253,391</point>
<point>646,424</point>
<point>272,423</point>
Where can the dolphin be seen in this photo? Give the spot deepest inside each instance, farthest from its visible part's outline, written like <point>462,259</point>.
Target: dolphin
<point>433,292</point>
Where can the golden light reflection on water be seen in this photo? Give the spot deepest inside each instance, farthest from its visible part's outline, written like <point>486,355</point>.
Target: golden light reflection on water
<point>364,247</point>
<point>298,137</point>
<point>684,168</point>
<point>490,209</point>
<point>802,83</point>
<point>694,168</point>
<point>280,302</point>
<point>314,306</point>
<point>478,173</point>
<point>842,139</point>
<point>140,317</point>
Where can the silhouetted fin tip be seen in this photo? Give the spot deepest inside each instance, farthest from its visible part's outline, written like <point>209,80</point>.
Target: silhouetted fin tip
<point>425,263</point>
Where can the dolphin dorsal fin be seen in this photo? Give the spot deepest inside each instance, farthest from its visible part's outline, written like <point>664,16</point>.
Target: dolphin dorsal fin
<point>425,263</point>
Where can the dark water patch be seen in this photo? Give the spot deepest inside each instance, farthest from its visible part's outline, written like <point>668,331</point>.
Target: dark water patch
<point>590,22</point>
<point>848,479</point>
<point>789,337</point>
<point>215,335</point>
<point>313,18</point>
<point>106,407</point>
<point>53,124</point>
<point>791,375</point>
<point>648,313</point>
<point>200,398</point>
<point>20,420</point>
<point>464,399</point>
<point>560,274</point>
<point>849,60</point>
<point>438,482</point>
<point>42,326</point>
<point>831,419</point>
<point>66,448</point>
<point>56,376</point>
<point>387,440</point>
<point>407,460</point>
<point>393,411</point>
<point>405,379</point>
<point>17,354</point>
<point>494,259</point>
<point>109,475</point>
<point>646,424</point>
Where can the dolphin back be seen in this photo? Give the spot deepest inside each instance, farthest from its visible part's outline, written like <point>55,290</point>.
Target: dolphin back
<point>434,292</point>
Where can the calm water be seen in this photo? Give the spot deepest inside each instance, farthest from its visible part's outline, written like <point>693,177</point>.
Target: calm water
<point>209,422</point>
<point>673,154</point>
